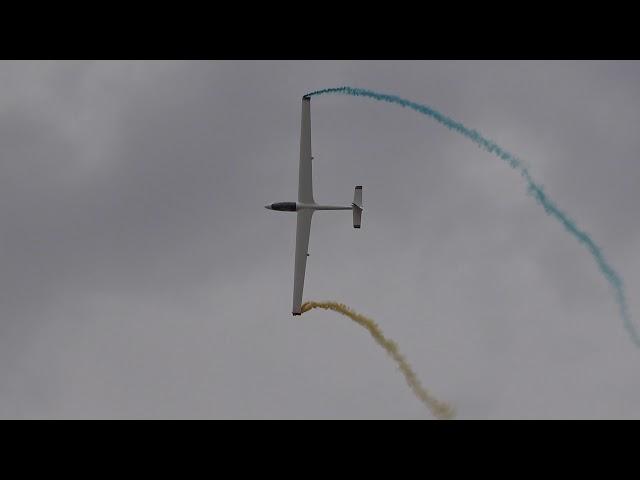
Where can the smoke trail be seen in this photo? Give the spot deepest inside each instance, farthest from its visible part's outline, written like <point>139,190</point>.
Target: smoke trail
<point>438,408</point>
<point>534,189</point>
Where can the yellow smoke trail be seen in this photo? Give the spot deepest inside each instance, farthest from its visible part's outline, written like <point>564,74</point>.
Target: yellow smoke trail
<point>438,408</point>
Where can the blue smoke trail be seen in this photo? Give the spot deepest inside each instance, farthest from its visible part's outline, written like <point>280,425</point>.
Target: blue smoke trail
<point>533,188</point>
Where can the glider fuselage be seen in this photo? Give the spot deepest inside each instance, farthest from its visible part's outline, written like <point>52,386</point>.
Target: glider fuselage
<point>295,206</point>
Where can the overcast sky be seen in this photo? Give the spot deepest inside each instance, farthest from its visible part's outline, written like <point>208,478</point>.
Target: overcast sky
<point>141,276</point>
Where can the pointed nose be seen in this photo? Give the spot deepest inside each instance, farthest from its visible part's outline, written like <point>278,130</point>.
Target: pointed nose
<point>268,207</point>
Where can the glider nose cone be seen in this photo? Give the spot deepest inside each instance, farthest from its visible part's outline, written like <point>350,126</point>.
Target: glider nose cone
<point>268,207</point>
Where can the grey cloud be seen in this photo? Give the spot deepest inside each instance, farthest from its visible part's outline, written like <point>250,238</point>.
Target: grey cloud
<point>141,276</point>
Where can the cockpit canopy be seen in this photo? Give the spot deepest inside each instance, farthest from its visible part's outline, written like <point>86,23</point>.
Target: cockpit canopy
<point>284,206</point>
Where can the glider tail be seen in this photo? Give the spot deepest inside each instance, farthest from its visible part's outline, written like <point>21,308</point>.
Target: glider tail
<point>357,207</point>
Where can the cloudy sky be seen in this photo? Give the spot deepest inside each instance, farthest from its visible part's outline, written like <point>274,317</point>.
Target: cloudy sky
<point>141,276</point>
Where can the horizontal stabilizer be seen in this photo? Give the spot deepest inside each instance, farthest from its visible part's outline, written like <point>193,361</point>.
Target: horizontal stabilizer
<point>357,207</point>
<point>357,196</point>
<point>357,217</point>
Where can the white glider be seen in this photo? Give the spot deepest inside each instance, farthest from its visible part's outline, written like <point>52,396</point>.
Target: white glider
<point>305,206</point>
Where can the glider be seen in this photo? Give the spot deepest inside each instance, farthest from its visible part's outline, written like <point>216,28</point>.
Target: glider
<point>305,206</point>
